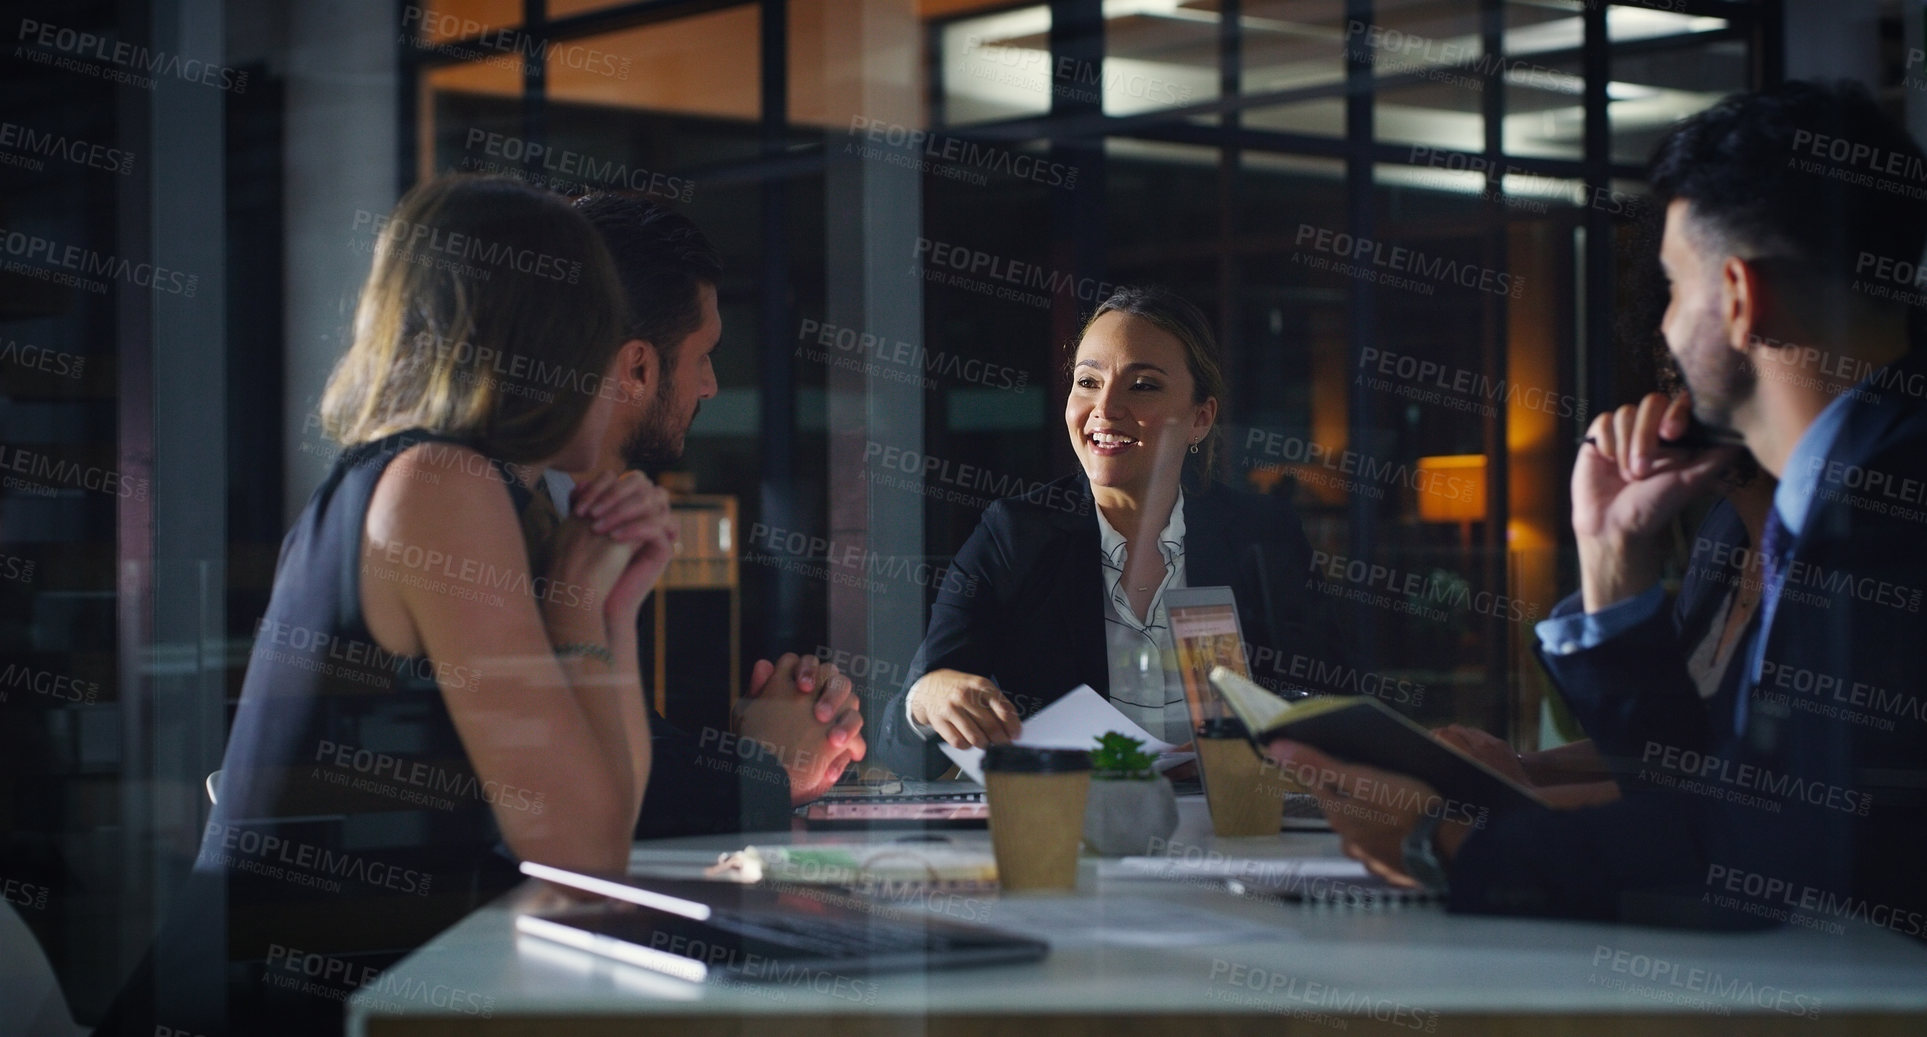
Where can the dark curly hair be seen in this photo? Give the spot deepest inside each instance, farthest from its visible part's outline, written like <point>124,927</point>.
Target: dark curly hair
<point>662,259</point>
<point>1794,173</point>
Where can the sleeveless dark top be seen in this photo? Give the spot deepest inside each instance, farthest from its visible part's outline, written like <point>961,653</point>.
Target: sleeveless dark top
<point>349,822</point>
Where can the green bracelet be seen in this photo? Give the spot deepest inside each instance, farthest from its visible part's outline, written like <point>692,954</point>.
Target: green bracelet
<point>585,648</point>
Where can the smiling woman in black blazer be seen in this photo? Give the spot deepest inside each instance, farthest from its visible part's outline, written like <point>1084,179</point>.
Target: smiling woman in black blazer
<point>1065,585</point>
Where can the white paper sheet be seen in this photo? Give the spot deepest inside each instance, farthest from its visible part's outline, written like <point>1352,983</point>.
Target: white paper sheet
<point>1220,866</point>
<point>1073,722</point>
<point>1123,920</point>
<point>1330,879</point>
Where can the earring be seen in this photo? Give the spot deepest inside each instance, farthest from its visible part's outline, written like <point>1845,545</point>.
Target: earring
<point>1194,446</point>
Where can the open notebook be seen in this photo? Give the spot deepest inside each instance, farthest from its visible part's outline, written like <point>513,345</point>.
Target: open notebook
<point>1361,729</point>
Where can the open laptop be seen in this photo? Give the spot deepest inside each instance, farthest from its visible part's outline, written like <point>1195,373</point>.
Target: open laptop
<point>900,803</point>
<point>721,930</point>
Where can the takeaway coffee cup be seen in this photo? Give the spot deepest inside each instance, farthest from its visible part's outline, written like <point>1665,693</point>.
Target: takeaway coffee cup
<point>1245,791</point>
<point>1036,799</point>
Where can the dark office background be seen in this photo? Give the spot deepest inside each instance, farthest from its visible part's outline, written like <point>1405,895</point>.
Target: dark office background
<point>1222,147</point>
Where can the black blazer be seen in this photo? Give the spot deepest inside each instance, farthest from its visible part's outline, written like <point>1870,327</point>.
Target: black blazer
<point>1026,604</point>
<point>1824,790</point>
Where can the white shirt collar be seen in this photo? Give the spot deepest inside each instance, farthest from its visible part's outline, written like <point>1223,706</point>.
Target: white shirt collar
<point>1170,542</point>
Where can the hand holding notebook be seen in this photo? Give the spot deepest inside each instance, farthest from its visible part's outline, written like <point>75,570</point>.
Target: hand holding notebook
<point>1361,729</point>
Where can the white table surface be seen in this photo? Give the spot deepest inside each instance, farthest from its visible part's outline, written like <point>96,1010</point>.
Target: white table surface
<point>1409,969</point>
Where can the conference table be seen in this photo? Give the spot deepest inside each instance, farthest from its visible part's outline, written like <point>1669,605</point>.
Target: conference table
<point>1148,956</point>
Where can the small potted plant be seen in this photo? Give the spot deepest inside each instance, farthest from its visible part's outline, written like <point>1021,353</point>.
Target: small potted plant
<point>1130,804</point>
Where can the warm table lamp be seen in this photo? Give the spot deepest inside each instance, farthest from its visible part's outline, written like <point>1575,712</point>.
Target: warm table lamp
<point>1451,488</point>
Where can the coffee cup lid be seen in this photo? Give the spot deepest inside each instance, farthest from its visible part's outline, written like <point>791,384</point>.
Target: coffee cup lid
<point>1222,727</point>
<point>1024,759</point>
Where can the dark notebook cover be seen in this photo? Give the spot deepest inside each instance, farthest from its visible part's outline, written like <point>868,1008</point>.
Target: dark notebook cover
<point>1361,729</point>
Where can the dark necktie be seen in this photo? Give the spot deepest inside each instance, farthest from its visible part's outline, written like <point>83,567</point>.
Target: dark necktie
<point>1775,542</point>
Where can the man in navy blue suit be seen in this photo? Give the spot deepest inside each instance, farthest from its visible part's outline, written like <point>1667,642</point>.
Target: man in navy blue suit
<point>1793,263</point>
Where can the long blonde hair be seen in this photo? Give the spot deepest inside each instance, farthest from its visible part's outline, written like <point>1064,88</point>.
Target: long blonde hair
<point>491,314</point>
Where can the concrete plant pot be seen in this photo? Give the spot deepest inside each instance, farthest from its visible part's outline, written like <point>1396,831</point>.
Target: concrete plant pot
<point>1125,815</point>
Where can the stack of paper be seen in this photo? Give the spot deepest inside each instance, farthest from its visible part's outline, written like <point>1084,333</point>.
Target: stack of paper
<point>1074,722</point>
